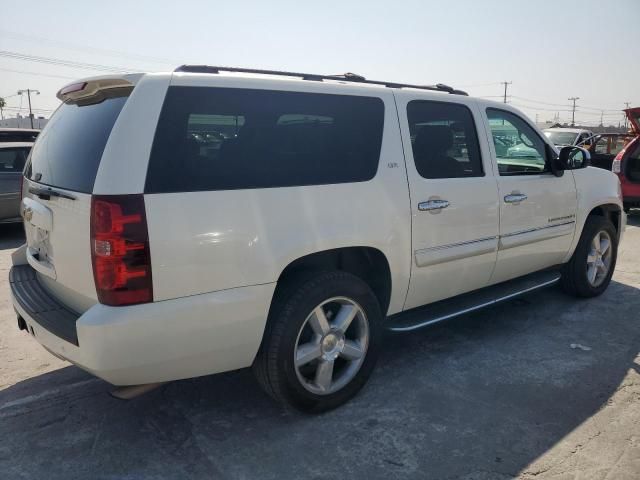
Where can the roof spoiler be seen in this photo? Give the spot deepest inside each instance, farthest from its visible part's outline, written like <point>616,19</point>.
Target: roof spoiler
<point>95,89</point>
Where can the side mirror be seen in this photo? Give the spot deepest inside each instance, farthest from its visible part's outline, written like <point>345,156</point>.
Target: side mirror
<point>573,158</point>
<point>553,161</point>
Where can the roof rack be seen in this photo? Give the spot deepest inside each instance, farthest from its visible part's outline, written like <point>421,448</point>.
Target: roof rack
<point>348,77</point>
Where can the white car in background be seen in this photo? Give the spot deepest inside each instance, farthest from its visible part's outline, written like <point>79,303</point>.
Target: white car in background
<point>331,208</point>
<point>561,136</point>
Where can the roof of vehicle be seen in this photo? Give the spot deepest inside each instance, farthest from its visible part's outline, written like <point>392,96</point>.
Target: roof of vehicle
<point>84,89</point>
<point>88,87</point>
<point>568,130</point>
<point>15,144</point>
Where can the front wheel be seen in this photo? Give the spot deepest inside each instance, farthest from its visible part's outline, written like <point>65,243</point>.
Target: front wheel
<point>591,267</point>
<point>321,342</point>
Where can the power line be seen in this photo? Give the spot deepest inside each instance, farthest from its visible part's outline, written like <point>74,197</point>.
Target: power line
<point>565,105</point>
<point>480,85</point>
<point>37,74</point>
<point>65,63</point>
<point>76,47</point>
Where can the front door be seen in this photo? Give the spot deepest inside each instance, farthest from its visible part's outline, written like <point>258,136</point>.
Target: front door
<point>454,202</point>
<point>537,209</point>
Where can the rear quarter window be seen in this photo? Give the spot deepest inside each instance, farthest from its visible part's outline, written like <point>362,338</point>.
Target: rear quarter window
<point>228,139</point>
<point>68,151</point>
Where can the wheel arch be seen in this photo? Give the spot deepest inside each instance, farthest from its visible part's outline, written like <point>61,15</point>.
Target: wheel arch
<point>610,211</point>
<point>368,263</point>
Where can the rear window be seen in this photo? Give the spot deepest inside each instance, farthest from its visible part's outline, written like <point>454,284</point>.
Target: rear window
<point>68,151</point>
<point>227,139</point>
<point>12,159</point>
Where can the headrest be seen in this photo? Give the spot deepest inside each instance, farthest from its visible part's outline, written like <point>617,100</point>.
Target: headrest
<point>434,138</point>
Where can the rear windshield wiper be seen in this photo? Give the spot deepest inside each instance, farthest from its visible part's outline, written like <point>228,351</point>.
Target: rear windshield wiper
<point>47,193</point>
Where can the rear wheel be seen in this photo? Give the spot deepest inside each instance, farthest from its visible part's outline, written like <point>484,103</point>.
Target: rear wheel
<point>589,271</point>
<point>321,343</point>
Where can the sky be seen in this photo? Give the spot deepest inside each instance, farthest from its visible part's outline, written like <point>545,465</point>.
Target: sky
<point>549,50</point>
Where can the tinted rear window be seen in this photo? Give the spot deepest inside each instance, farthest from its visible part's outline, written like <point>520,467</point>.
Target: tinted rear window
<point>226,139</point>
<point>68,151</point>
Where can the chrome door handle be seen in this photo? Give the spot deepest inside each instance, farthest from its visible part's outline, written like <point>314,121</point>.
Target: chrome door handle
<point>432,205</point>
<point>515,197</point>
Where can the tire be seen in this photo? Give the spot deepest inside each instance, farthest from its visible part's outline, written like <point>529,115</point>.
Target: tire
<point>577,276</point>
<point>295,327</point>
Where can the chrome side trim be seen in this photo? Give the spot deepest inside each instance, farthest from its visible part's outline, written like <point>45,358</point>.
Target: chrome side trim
<point>523,237</point>
<point>455,251</point>
<point>475,307</point>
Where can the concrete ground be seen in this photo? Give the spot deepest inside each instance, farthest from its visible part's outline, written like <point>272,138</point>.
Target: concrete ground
<point>497,394</point>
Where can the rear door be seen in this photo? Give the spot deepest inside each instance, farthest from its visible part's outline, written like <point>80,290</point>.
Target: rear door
<point>454,202</point>
<point>59,180</point>
<point>537,209</point>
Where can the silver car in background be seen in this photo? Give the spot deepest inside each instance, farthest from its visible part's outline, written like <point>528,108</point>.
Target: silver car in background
<point>13,156</point>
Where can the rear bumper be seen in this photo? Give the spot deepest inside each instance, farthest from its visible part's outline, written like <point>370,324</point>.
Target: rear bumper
<point>154,342</point>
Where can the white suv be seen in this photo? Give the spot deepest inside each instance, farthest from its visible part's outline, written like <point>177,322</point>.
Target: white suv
<point>187,223</point>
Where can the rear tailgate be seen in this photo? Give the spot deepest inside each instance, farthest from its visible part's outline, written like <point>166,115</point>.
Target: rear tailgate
<point>59,181</point>
<point>633,114</point>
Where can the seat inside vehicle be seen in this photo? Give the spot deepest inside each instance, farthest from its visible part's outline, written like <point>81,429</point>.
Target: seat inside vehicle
<point>431,150</point>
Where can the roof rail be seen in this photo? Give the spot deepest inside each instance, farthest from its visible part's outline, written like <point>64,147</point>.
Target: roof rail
<point>348,77</point>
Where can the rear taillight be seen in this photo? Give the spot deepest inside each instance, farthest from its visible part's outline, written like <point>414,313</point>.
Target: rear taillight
<point>615,166</point>
<point>120,249</point>
<point>617,161</point>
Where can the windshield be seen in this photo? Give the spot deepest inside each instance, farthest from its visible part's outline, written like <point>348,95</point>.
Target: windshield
<point>68,151</point>
<point>561,138</point>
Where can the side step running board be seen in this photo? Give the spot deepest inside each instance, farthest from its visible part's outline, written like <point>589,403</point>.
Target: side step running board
<point>469,302</point>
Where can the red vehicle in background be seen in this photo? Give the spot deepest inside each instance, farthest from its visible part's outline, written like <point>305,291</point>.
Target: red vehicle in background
<point>627,164</point>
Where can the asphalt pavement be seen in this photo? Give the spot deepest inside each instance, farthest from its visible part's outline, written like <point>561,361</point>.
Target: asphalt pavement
<point>544,386</point>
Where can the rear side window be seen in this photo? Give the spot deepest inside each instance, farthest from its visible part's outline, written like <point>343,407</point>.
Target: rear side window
<point>444,140</point>
<point>68,151</point>
<point>12,159</point>
<point>228,139</point>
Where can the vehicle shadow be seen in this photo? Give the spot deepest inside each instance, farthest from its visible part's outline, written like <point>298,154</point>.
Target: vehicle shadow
<point>11,235</point>
<point>481,396</point>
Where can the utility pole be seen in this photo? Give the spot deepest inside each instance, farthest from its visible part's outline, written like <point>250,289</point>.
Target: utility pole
<point>505,83</point>
<point>29,91</point>
<point>625,116</point>
<point>601,115</point>
<point>573,111</point>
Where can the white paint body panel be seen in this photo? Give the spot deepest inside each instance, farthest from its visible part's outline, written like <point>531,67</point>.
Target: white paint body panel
<point>206,241</point>
<point>162,341</point>
<point>446,242</point>
<point>537,232</point>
